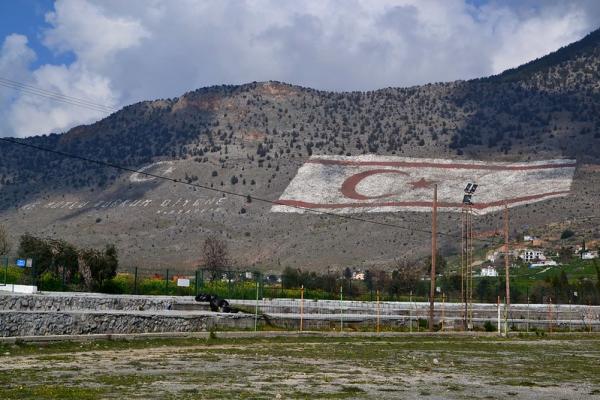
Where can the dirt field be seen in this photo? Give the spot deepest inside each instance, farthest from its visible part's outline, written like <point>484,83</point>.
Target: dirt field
<point>558,367</point>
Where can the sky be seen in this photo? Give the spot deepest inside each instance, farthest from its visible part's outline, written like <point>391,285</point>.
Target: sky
<point>100,55</point>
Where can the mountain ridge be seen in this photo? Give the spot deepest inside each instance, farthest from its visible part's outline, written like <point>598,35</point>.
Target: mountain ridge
<point>260,133</point>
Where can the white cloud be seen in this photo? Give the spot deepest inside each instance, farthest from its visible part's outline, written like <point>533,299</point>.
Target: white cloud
<point>126,51</point>
<point>85,29</point>
<point>15,58</point>
<point>35,114</point>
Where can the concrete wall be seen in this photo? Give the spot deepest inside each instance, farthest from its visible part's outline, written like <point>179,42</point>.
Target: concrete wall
<point>9,287</point>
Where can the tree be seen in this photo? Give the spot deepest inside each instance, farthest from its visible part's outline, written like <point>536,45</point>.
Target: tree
<point>440,264</point>
<point>369,280</point>
<point>565,255</point>
<point>214,252</point>
<point>347,273</point>
<point>4,241</point>
<point>96,266</point>
<point>65,258</point>
<point>567,233</point>
<point>290,278</point>
<point>37,249</point>
<point>406,276</point>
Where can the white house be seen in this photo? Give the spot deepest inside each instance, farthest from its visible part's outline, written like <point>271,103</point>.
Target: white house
<point>488,271</point>
<point>492,256</point>
<point>358,276</point>
<point>589,255</point>
<point>532,255</point>
<point>543,263</point>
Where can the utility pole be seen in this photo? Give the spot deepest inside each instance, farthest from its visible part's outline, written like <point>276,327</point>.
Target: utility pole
<point>433,256</point>
<point>506,255</point>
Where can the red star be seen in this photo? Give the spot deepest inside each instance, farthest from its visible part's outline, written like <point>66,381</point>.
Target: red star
<point>421,184</point>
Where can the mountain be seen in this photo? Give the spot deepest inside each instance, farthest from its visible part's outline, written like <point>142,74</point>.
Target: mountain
<point>252,138</point>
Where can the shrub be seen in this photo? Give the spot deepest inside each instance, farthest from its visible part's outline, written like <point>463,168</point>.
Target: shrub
<point>50,282</point>
<point>489,327</point>
<point>120,284</point>
<point>13,274</point>
<point>567,233</point>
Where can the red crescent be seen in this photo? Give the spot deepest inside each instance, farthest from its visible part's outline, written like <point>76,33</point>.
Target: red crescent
<point>349,185</point>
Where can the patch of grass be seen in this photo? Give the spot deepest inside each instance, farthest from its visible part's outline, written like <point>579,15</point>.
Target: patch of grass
<point>52,392</point>
<point>352,389</point>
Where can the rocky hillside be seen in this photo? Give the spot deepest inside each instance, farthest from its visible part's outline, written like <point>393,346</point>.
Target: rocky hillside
<point>252,138</point>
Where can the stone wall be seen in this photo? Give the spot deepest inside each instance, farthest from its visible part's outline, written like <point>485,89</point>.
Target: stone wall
<point>86,313</point>
<point>38,323</point>
<point>88,301</point>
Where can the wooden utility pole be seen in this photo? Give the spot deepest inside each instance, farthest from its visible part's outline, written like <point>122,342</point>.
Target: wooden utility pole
<point>433,256</point>
<point>506,255</point>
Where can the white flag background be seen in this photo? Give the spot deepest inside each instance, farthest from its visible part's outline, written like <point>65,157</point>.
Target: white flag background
<point>372,183</point>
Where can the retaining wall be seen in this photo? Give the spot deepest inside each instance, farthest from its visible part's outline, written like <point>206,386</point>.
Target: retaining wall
<point>90,313</point>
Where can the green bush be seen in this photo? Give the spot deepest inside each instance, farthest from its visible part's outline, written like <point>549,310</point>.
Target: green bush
<point>120,284</point>
<point>13,274</point>
<point>154,286</point>
<point>49,282</point>
<point>489,327</point>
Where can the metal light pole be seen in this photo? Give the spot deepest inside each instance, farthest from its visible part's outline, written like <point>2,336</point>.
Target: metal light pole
<point>467,202</point>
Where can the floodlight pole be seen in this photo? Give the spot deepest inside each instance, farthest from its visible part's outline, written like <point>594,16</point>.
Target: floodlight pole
<point>506,269</point>
<point>433,256</point>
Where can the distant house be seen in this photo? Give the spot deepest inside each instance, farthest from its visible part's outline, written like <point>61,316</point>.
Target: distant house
<point>543,263</point>
<point>358,276</point>
<point>529,255</point>
<point>488,271</point>
<point>589,255</point>
<point>529,238</point>
<point>492,256</point>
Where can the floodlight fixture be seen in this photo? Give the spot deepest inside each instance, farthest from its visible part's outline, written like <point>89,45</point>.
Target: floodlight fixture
<point>470,188</point>
<point>467,199</point>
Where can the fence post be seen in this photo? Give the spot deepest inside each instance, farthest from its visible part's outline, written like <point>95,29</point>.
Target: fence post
<point>33,277</point>
<point>498,306</point>
<point>167,283</point>
<point>64,277</point>
<point>256,308</point>
<point>5,270</point>
<point>196,283</point>
<point>410,313</point>
<point>228,285</point>
<point>341,309</point>
<point>301,307</point>
<point>378,311</point>
<point>135,281</point>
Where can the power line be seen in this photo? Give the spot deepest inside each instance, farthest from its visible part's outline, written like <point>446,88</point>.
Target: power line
<point>56,96</point>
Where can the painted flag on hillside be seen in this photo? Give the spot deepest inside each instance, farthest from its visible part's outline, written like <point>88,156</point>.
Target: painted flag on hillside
<point>372,183</point>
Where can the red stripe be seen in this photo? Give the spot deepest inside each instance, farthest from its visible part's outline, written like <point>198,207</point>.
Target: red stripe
<point>477,206</point>
<point>424,164</point>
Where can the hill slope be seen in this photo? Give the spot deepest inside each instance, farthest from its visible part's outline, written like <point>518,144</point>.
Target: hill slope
<point>260,133</point>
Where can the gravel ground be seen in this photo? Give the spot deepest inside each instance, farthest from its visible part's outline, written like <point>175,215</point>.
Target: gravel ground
<point>434,367</point>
